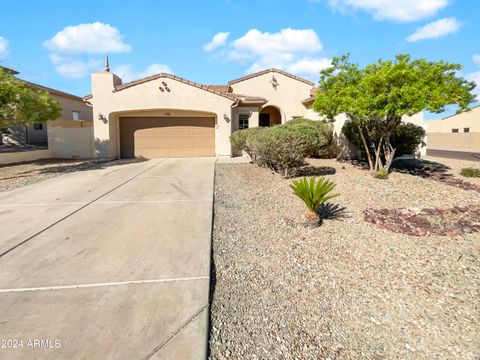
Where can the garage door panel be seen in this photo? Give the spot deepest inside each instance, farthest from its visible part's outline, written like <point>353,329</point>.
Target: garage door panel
<point>167,137</point>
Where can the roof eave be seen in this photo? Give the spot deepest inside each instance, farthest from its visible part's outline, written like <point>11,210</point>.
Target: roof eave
<point>308,101</point>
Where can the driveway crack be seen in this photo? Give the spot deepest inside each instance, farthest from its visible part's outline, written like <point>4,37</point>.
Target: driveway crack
<point>174,334</point>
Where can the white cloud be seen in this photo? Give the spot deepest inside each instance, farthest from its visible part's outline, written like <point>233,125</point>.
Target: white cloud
<point>435,29</point>
<point>94,38</point>
<point>127,72</point>
<point>476,78</point>
<point>72,48</point>
<point>394,10</point>
<point>476,59</point>
<point>294,50</point>
<point>3,48</point>
<point>309,68</point>
<point>72,68</point>
<point>218,40</point>
<point>271,48</point>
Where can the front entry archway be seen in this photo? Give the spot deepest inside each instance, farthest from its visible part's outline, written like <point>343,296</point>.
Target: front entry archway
<point>269,116</point>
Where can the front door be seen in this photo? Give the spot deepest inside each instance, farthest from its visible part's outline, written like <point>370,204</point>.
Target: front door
<point>264,120</point>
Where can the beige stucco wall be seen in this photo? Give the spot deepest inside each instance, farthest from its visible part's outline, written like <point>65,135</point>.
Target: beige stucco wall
<point>465,142</point>
<point>469,119</point>
<point>252,113</point>
<point>70,104</point>
<point>147,96</point>
<point>287,97</point>
<point>71,142</point>
<point>441,137</point>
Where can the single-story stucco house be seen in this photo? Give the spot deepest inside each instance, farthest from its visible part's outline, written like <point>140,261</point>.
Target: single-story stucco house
<point>166,115</point>
<point>69,136</point>
<point>456,136</point>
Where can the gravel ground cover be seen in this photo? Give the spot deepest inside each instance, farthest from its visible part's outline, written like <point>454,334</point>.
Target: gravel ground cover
<point>346,290</point>
<point>455,166</point>
<point>17,175</point>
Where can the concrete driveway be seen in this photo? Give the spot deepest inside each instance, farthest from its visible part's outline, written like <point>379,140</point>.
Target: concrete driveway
<point>110,263</point>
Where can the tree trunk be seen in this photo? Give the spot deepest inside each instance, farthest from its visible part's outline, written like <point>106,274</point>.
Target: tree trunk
<point>389,153</point>
<point>312,218</point>
<point>366,147</point>
<point>378,150</point>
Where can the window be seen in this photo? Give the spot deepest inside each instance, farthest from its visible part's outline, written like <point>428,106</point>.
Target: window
<point>37,126</point>
<point>454,130</point>
<point>76,115</point>
<point>466,129</point>
<point>243,121</point>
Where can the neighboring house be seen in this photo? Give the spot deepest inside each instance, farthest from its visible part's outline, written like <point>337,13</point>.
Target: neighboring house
<point>456,136</point>
<point>166,115</point>
<point>71,135</point>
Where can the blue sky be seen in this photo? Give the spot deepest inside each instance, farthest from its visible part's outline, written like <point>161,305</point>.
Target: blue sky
<point>59,43</point>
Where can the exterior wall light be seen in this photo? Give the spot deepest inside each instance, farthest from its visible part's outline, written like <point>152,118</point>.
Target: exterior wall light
<point>102,118</point>
<point>274,82</point>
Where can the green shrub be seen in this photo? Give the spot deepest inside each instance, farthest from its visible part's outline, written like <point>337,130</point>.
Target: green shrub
<point>324,132</point>
<point>405,139</point>
<point>470,172</point>
<point>281,148</point>
<point>313,194</point>
<point>239,140</point>
<point>382,174</point>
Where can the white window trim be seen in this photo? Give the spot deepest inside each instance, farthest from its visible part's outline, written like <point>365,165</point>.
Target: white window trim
<point>248,119</point>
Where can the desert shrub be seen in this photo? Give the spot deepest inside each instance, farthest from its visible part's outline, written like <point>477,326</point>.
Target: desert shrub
<point>325,143</point>
<point>405,138</point>
<point>239,140</point>
<point>281,148</point>
<point>470,172</point>
<point>381,173</point>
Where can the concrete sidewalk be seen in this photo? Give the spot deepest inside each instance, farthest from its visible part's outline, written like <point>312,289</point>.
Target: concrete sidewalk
<point>110,263</point>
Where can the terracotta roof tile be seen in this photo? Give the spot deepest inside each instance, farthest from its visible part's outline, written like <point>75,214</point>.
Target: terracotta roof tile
<point>266,72</point>
<point>176,78</point>
<point>221,90</point>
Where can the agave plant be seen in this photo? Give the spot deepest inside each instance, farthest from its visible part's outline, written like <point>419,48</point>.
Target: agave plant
<point>313,193</point>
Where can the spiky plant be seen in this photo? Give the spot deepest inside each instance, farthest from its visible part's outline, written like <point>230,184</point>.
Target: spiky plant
<point>314,194</point>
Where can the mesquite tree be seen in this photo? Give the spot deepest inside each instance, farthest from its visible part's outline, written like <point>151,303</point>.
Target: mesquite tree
<point>377,96</point>
<point>20,103</point>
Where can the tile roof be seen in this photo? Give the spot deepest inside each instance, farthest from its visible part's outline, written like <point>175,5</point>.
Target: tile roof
<point>221,90</point>
<point>54,91</point>
<point>176,78</point>
<point>41,87</point>
<point>266,72</point>
<point>308,100</point>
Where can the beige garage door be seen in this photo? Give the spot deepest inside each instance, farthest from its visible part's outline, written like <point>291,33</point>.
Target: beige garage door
<point>167,137</point>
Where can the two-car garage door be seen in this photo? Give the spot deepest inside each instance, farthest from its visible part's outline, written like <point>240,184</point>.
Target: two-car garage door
<point>151,137</point>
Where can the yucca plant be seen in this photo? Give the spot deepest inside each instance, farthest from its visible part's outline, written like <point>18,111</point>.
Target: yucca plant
<point>314,194</point>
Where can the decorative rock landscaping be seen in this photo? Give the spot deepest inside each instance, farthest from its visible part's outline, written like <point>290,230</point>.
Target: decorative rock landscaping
<point>346,289</point>
<point>434,221</point>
